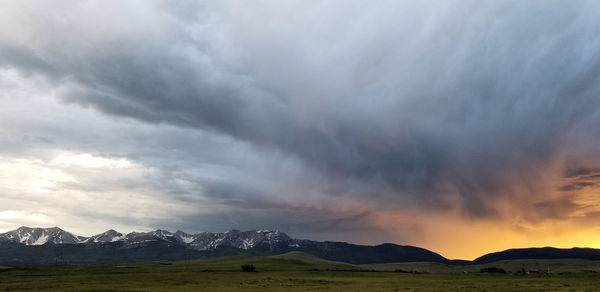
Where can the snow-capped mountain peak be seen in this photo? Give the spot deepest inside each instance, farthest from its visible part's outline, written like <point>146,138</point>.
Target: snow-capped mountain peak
<point>107,236</point>
<point>162,234</point>
<point>184,237</point>
<point>38,236</point>
<point>239,239</point>
<point>266,239</point>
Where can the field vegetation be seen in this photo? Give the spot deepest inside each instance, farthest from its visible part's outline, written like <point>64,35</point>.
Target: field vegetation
<point>301,272</point>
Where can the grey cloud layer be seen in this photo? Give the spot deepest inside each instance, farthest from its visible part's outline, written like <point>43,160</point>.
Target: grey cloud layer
<point>433,105</point>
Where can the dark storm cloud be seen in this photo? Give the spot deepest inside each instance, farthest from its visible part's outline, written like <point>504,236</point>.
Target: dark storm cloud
<point>354,222</point>
<point>463,103</point>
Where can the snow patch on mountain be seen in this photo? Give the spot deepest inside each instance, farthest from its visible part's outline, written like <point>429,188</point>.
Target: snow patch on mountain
<point>41,240</point>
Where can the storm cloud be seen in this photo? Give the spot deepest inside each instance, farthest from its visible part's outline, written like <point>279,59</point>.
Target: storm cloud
<point>310,113</point>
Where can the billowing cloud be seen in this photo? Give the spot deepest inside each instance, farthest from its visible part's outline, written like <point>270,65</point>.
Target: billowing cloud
<point>317,117</point>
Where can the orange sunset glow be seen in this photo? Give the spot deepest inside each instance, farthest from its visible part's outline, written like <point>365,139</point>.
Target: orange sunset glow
<point>463,128</point>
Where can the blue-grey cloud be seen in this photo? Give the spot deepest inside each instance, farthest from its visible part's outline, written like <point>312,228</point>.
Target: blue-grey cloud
<point>439,106</point>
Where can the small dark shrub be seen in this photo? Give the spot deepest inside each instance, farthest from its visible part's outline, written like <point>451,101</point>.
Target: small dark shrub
<point>409,271</point>
<point>248,268</point>
<point>493,270</point>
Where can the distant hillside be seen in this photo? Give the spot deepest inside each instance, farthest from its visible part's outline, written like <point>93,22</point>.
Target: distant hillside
<point>540,253</point>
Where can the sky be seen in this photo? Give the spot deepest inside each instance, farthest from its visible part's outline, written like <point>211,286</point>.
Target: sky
<point>464,127</point>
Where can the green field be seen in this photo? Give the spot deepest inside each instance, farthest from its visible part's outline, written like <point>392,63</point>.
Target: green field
<point>298,272</point>
<point>555,267</point>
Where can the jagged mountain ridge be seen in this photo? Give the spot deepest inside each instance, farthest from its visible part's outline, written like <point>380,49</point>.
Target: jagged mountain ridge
<point>201,241</point>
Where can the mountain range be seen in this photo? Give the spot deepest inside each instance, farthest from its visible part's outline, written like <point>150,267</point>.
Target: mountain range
<point>266,239</point>
<point>49,246</point>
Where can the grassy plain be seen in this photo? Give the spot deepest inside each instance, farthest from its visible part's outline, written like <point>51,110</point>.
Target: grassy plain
<point>555,267</point>
<point>290,272</point>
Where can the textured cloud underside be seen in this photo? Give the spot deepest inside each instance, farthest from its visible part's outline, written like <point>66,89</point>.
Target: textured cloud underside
<point>313,116</point>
